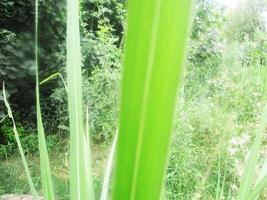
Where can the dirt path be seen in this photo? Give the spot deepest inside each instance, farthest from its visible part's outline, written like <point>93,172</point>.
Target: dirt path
<point>15,197</point>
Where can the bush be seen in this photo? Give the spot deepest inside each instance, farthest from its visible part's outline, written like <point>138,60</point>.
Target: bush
<point>213,130</point>
<point>100,87</point>
<point>204,50</point>
<point>202,132</point>
<point>8,146</point>
<point>28,139</point>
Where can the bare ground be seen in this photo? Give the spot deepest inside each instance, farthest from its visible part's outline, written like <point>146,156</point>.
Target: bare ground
<point>15,197</point>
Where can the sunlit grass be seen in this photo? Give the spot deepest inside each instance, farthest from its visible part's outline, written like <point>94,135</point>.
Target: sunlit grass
<point>25,164</point>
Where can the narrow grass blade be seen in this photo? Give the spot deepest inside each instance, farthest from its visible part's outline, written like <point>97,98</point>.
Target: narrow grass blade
<point>3,119</point>
<point>87,124</point>
<point>155,48</point>
<point>222,188</point>
<point>259,182</point>
<point>25,165</point>
<point>258,189</point>
<point>247,179</point>
<point>47,184</point>
<point>81,184</point>
<point>218,189</point>
<point>106,182</point>
<point>263,172</point>
<point>55,75</point>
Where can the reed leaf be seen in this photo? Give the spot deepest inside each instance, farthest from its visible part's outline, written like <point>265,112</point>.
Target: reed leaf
<point>47,185</point>
<point>3,119</point>
<point>260,186</point>
<point>154,56</point>
<point>247,178</point>
<point>51,77</point>
<point>108,171</point>
<point>22,155</point>
<point>81,184</point>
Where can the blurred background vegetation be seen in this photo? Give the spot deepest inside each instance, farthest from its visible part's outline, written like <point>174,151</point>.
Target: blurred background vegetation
<point>223,91</point>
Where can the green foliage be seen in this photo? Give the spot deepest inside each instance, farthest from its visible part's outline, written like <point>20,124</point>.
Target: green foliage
<point>103,97</point>
<point>101,13</point>
<point>21,152</point>
<point>8,144</point>
<point>28,138</point>
<point>15,67</point>
<point>254,51</point>
<point>204,52</point>
<point>17,57</point>
<point>100,87</point>
<point>13,178</point>
<point>212,131</point>
<point>102,29</point>
<point>223,93</point>
<point>244,21</point>
<point>14,181</point>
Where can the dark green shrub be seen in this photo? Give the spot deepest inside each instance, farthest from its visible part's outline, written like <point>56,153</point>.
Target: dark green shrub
<point>8,146</point>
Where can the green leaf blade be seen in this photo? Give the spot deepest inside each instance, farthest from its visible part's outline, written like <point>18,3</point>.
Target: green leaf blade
<point>80,170</point>
<point>47,184</point>
<point>152,70</point>
<point>260,186</point>
<point>247,178</point>
<point>22,155</point>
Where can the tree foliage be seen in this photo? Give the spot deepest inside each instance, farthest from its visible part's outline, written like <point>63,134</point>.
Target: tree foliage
<point>245,20</point>
<point>204,52</point>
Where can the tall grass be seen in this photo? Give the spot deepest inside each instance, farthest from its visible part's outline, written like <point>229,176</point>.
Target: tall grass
<point>24,162</point>
<point>245,190</point>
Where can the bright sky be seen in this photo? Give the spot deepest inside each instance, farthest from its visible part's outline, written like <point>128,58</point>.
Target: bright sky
<point>228,3</point>
<point>231,4</point>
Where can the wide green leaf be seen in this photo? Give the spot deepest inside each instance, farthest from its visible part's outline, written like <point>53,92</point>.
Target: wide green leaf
<point>154,55</point>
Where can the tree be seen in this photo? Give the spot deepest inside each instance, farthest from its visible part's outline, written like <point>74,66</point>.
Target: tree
<point>245,20</point>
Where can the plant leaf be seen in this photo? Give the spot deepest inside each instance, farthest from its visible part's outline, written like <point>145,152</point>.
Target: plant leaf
<point>258,189</point>
<point>81,184</point>
<point>247,178</point>
<point>155,48</point>
<point>24,162</point>
<point>47,184</point>
<point>106,180</point>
